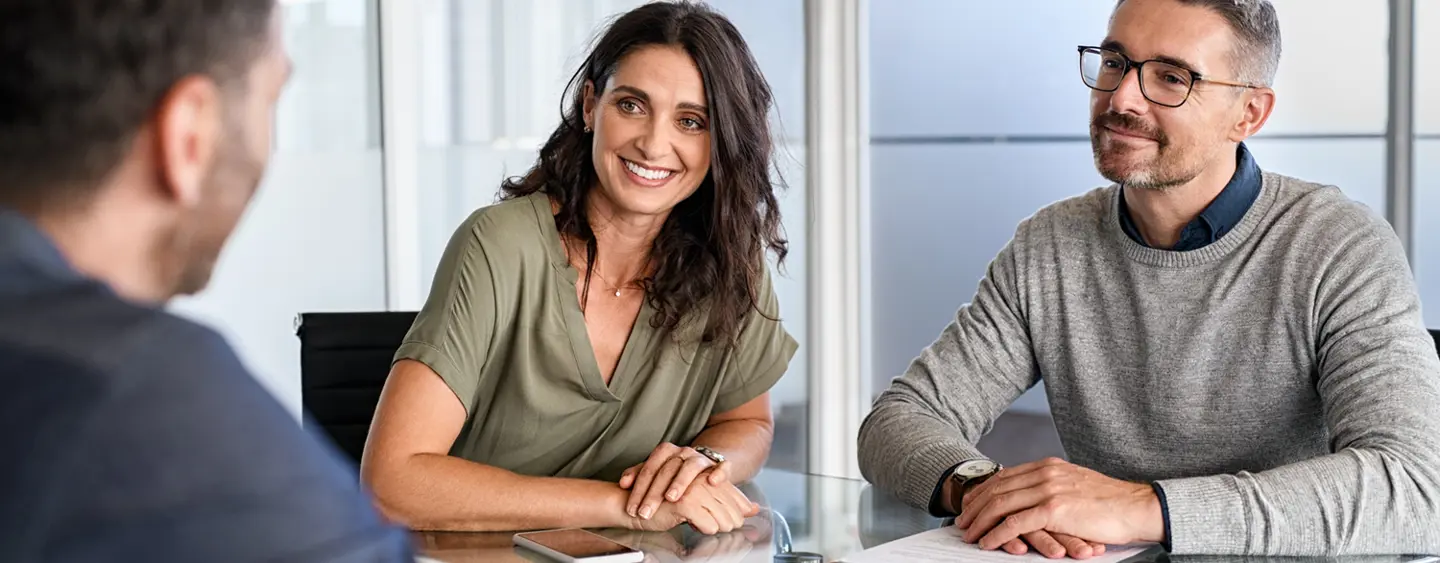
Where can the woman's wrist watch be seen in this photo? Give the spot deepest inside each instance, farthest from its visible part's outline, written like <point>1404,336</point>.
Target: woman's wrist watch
<point>712,454</point>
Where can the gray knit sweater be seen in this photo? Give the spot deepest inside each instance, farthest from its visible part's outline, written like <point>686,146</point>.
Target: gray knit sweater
<point>1278,383</point>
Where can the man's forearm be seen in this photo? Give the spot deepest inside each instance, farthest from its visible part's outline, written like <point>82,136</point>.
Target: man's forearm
<point>745,444</point>
<point>1350,503</point>
<point>439,492</point>
<point>906,450</point>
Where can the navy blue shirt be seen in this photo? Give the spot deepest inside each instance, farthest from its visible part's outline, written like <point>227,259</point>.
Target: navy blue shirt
<point>129,434</point>
<point>1220,216</point>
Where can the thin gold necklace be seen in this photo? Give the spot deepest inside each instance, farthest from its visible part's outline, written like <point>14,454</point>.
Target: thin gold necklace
<point>614,287</point>
<point>596,271</point>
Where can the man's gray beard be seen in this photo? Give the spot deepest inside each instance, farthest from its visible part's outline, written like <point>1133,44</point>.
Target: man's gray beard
<point>1145,179</point>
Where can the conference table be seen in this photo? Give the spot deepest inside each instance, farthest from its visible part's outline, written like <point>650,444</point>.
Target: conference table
<point>829,516</point>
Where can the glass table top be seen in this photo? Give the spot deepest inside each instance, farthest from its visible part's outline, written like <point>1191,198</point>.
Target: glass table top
<point>829,516</point>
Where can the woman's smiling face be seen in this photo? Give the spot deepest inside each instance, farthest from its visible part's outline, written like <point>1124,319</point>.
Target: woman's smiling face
<point>651,145</point>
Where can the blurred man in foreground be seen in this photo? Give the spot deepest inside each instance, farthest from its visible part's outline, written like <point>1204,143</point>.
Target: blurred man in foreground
<point>132,135</point>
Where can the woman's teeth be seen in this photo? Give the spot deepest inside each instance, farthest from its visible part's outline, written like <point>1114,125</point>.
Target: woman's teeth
<point>647,173</point>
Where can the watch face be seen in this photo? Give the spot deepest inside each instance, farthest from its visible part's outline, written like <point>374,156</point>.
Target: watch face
<point>712,454</point>
<point>977,468</point>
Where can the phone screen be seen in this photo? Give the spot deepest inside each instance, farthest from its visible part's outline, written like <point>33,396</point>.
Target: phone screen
<point>577,543</point>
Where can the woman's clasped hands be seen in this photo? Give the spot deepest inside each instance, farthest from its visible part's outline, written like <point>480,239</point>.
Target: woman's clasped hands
<point>677,485</point>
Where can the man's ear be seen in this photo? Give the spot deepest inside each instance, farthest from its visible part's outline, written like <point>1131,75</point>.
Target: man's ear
<point>188,126</point>
<point>1259,104</point>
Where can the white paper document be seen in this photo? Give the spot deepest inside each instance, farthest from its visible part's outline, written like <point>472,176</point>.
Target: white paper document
<point>947,544</point>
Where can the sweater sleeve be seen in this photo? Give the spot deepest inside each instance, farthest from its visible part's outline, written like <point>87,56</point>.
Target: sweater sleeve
<point>1378,377</point>
<point>932,416</point>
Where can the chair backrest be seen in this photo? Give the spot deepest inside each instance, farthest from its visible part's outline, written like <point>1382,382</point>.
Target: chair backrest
<point>344,360</point>
<point>1436,335</point>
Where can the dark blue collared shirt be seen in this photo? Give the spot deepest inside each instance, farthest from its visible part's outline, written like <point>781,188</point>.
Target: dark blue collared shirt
<point>130,434</point>
<point>1220,217</point>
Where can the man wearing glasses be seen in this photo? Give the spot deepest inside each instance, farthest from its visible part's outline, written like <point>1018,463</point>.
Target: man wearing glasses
<point>1235,359</point>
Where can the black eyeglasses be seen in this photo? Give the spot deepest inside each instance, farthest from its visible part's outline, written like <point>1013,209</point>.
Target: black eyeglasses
<point>1161,82</point>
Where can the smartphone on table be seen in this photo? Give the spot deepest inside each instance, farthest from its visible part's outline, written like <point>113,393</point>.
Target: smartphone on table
<point>578,546</point>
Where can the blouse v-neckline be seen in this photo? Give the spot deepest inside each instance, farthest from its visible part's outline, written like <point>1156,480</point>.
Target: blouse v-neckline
<point>637,344</point>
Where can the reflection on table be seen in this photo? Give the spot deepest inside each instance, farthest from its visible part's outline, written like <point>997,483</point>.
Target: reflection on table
<point>804,513</point>
<point>830,516</point>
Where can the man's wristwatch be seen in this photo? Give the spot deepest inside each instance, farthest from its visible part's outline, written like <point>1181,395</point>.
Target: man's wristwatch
<point>972,472</point>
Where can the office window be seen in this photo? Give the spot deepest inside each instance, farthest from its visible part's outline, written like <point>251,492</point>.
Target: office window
<point>313,240</point>
<point>1426,251</point>
<point>493,75</point>
<point>1326,129</point>
<point>966,143</point>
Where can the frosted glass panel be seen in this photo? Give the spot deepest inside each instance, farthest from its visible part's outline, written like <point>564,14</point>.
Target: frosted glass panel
<point>1427,67</point>
<point>1332,82</point>
<point>939,214</point>
<point>1357,167</point>
<point>1427,228</point>
<point>498,67</point>
<point>791,394</point>
<point>332,102</point>
<point>313,240</point>
<point>1426,250</point>
<point>949,67</point>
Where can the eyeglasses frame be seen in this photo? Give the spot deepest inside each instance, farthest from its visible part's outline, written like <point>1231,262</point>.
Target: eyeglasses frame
<point>1195,77</point>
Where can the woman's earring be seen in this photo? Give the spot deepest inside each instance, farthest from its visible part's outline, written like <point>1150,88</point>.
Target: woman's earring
<point>587,128</point>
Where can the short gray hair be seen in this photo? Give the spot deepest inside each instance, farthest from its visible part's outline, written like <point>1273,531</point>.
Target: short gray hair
<point>1256,57</point>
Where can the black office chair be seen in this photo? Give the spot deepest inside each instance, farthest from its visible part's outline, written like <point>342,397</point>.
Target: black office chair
<point>1436,335</point>
<point>344,360</point>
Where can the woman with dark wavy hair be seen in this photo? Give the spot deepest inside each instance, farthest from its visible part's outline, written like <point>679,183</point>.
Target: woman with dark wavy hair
<point>597,349</point>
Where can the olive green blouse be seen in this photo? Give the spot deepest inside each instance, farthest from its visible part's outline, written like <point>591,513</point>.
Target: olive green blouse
<point>503,327</point>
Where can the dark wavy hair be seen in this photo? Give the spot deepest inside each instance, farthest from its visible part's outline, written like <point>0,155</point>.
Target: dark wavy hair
<point>79,78</point>
<point>709,254</point>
